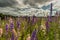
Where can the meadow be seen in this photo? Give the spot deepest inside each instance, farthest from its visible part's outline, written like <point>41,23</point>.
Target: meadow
<point>30,28</point>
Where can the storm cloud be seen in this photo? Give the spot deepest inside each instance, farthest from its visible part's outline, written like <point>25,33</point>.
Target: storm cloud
<point>22,7</point>
<point>33,2</point>
<point>4,3</point>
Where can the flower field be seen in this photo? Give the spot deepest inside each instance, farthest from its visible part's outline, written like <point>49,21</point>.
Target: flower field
<point>30,28</point>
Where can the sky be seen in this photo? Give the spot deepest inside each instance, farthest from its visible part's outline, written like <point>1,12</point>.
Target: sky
<point>28,7</point>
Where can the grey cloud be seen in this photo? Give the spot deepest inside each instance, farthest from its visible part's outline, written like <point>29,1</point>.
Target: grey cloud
<point>33,2</point>
<point>17,10</point>
<point>4,3</point>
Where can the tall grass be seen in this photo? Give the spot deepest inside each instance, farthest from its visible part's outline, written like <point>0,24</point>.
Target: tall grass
<point>40,29</point>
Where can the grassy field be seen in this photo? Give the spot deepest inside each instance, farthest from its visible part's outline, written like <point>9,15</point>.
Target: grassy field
<point>32,28</point>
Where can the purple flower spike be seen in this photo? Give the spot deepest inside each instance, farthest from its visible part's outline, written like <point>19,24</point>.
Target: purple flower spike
<point>51,9</point>
<point>18,24</point>
<point>33,19</point>
<point>47,26</point>
<point>12,37</point>
<point>49,19</point>
<point>33,35</point>
<point>11,25</point>
<point>6,27</point>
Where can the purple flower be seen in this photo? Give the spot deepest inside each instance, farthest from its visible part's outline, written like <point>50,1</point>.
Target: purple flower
<point>11,26</point>
<point>12,37</point>
<point>33,35</point>
<point>51,9</point>
<point>47,26</point>
<point>33,19</point>
<point>18,24</point>
<point>6,27</point>
<point>47,23</point>
<point>49,19</point>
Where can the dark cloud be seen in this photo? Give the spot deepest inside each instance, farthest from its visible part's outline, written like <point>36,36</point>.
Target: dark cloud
<point>33,2</point>
<point>4,3</point>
